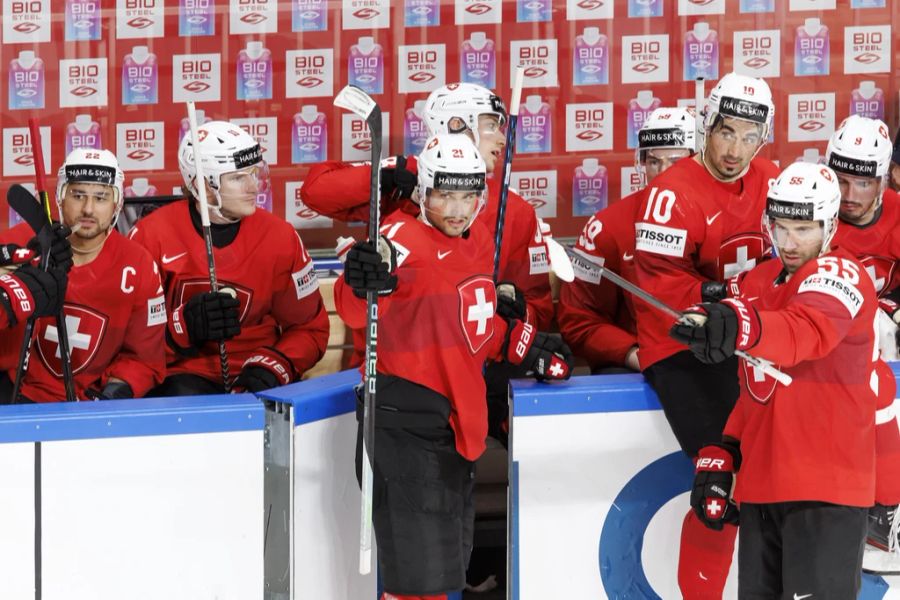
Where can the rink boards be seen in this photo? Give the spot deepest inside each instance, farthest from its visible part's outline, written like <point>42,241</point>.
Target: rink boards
<point>148,499</point>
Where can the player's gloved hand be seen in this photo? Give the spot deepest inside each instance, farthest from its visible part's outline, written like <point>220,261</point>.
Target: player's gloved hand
<point>715,469</point>
<point>12,255</point>
<point>32,292</point>
<point>398,177</point>
<point>211,317</point>
<point>511,302</point>
<point>367,269</point>
<point>713,331</point>
<point>713,291</point>
<point>266,369</point>
<point>113,390</point>
<point>891,308</point>
<point>60,247</point>
<point>539,354</point>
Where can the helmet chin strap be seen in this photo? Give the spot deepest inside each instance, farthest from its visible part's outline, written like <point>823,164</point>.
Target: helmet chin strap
<point>215,210</point>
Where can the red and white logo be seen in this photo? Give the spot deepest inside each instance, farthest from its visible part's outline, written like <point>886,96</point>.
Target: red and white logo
<point>83,82</point>
<point>309,73</point>
<point>26,21</point>
<point>365,14</point>
<point>810,117</point>
<point>18,160</point>
<point>197,77</point>
<point>760,385</point>
<point>579,10</point>
<point>298,214</point>
<point>539,189</point>
<point>477,305</point>
<point>645,58</point>
<point>589,126</point>
<point>265,131</point>
<point>867,49</point>
<point>880,269</point>
<point>85,328</point>
<point>539,59</point>
<point>473,12</point>
<point>356,143</point>
<point>421,68</point>
<point>701,7</point>
<point>139,19</point>
<point>253,16</point>
<point>140,146</point>
<point>758,53</point>
<point>740,253</point>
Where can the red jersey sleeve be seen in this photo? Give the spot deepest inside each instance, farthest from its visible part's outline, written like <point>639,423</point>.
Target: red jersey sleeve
<point>300,313</point>
<point>141,362</point>
<point>589,306</point>
<point>338,190</point>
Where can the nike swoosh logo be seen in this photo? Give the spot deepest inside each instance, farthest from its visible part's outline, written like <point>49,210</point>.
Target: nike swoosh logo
<point>169,259</point>
<point>796,597</point>
<point>441,255</point>
<point>627,256</point>
<point>709,220</point>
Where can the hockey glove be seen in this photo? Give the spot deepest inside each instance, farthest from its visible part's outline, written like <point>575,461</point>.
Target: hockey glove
<point>511,302</point>
<point>714,476</point>
<point>369,270</point>
<point>12,255</point>
<point>31,291</point>
<point>114,390</point>
<point>893,311</point>
<point>60,247</point>
<point>714,331</point>
<point>208,317</point>
<point>713,291</point>
<point>398,178</point>
<point>539,354</point>
<point>264,370</point>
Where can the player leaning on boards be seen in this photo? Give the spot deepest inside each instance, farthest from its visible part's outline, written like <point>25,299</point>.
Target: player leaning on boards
<point>700,225</point>
<point>437,326</point>
<point>275,322</point>
<point>859,152</point>
<point>805,453</point>
<point>113,301</point>
<point>595,316</point>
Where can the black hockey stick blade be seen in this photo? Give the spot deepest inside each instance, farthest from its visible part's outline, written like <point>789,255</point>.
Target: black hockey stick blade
<point>27,207</point>
<point>356,101</point>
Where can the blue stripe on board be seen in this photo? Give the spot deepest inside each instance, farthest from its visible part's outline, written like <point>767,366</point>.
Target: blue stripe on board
<point>320,398</point>
<point>589,394</point>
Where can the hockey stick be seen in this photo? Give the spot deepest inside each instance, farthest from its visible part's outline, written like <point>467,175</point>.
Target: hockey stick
<point>699,98</point>
<point>758,363</point>
<point>507,164</point>
<point>355,100</point>
<point>207,232</point>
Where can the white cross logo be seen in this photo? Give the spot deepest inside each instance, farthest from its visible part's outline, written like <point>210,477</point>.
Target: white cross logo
<point>742,263</point>
<point>76,340</point>
<point>481,311</point>
<point>556,370</point>
<point>713,507</point>
<point>758,374</point>
<point>23,253</point>
<point>878,281</point>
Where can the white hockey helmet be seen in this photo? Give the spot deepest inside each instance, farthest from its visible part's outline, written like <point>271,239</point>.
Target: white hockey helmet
<point>88,165</point>
<point>740,97</point>
<point>224,148</point>
<point>860,146</point>
<point>805,192</point>
<point>665,128</point>
<point>453,163</point>
<point>463,100</point>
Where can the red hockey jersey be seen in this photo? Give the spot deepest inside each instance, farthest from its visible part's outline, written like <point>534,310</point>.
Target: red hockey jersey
<point>813,439</point>
<point>440,324</point>
<point>269,268</point>
<point>877,244</point>
<point>341,191</point>
<point>693,228</point>
<point>596,318</point>
<point>115,316</point>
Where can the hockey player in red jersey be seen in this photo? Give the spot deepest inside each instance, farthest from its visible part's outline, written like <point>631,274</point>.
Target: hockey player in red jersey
<point>596,318</point>
<point>698,226</point>
<point>274,322</point>
<point>437,326</point>
<point>115,313</point>
<point>859,152</point>
<point>894,170</point>
<point>804,453</point>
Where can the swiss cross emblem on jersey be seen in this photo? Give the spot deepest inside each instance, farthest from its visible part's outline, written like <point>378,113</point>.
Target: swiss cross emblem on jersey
<point>477,305</point>
<point>740,253</point>
<point>85,328</point>
<point>188,288</point>
<point>760,385</point>
<point>880,269</point>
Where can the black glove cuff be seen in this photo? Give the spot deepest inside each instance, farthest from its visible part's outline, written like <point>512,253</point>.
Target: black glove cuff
<point>713,291</point>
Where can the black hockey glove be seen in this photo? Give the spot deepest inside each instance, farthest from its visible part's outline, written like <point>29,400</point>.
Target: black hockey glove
<point>114,390</point>
<point>539,354</point>
<point>32,292</point>
<point>60,247</point>
<point>713,331</point>
<point>12,255</point>
<point>511,302</point>
<point>266,369</point>
<point>369,270</point>
<point>212,317</point>
<point>397,182</point>
<point>713,291</point>
<point>711,494</point>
